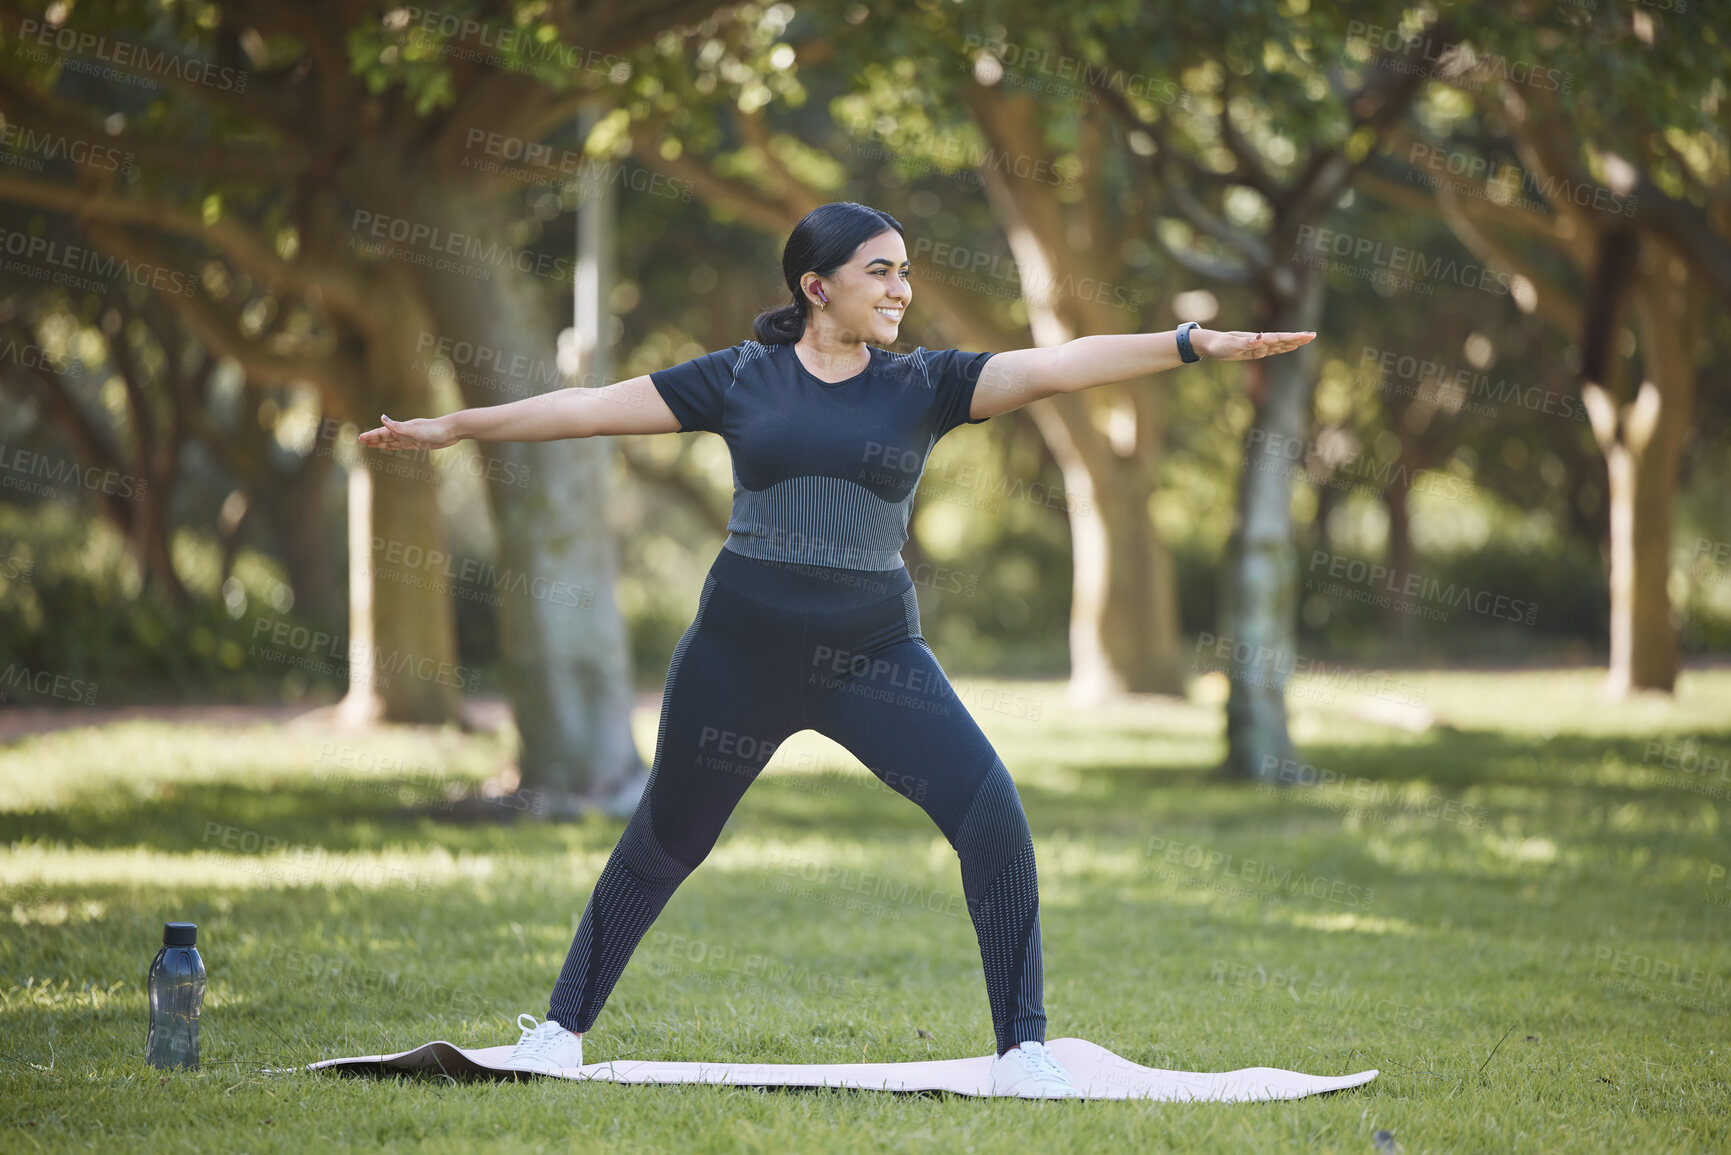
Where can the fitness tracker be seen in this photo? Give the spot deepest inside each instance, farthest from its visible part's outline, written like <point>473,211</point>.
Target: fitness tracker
<point>1184,349</point>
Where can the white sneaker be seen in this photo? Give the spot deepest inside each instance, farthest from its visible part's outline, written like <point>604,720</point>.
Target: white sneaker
<point>1030,1072</point>
<point>545,1048</point>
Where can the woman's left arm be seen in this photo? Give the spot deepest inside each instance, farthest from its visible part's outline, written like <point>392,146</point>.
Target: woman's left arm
<point>1013,378</point>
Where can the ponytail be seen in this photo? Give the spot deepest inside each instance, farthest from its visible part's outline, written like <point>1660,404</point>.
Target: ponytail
<point>780,326</point>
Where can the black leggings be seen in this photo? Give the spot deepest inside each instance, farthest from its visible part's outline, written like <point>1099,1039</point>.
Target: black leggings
<point>777,648</point>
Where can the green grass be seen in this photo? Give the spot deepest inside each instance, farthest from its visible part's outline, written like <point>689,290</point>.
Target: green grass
<point>1479,911</point>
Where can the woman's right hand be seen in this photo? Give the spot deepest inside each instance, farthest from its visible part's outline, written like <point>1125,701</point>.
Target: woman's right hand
<point>415,433</point>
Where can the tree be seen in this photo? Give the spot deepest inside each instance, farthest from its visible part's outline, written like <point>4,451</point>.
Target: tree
<point>323,157</point>
<point>1642,215</point>
<point>1234,196</point>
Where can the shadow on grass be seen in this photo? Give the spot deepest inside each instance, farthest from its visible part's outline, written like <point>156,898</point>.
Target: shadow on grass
<point>231,818</point>
<point>1117,799</point>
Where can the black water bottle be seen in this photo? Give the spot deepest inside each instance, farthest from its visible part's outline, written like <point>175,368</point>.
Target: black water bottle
<point>176,987</point>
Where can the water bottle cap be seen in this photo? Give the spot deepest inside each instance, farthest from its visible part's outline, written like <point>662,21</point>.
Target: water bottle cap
<point>179,934</point>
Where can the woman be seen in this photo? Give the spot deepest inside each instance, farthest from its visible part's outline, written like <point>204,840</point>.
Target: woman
<point>807,619</point>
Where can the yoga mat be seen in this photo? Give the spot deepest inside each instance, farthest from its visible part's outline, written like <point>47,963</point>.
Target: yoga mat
<point>1097,1073</point>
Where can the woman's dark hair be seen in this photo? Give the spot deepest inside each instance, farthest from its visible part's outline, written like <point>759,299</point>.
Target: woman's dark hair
<point>821,243</point>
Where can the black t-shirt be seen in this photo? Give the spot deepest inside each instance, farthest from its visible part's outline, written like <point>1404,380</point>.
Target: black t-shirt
<point>824,472</point>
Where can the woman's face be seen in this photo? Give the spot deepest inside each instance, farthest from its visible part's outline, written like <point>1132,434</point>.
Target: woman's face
<point>868,295</point>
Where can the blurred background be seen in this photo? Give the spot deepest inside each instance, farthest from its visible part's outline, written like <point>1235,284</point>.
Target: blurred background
<point>231,235</point>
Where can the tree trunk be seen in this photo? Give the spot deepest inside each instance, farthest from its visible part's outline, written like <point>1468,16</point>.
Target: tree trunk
<point>1259,580</point>
<point>402,647</point>
<point>564,656</point>
<point>1123,600</point>
<point>1643,443</point>
<point>294,511</point>
<point>402,637</point>
<point>150,538</point>
<point>1398,555</point>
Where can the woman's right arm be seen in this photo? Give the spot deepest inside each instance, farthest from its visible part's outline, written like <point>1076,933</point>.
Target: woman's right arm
<point>630,406</point>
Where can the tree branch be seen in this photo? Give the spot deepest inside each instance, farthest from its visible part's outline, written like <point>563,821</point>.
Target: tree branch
<point>281,161</point>
<point>744,200</point>
<point>1176,191</point>
<point>794,192</point>
<point>620,27</point>
<point>217,331</point>
<point>1251,170</point>
<point>1555,303</point>
<point>333,284</point>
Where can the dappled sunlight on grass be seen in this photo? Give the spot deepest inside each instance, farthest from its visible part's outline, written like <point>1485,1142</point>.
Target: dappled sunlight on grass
<point>1431,890</point>
<point>127,763</point>
<point>418,871</point>
<point>1547,702</point>
<point>1358,923</point>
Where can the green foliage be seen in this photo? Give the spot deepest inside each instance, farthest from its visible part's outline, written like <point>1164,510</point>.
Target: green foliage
<point>71,609</point>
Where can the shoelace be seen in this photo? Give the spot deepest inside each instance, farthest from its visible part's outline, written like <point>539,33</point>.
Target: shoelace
<point>1039,1062</point>
<point>529,1047</point>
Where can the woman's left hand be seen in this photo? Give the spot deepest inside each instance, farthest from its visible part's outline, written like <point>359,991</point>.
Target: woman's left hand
<point>1233,345</point>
